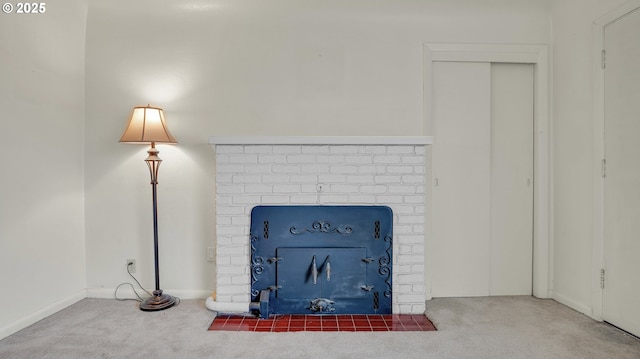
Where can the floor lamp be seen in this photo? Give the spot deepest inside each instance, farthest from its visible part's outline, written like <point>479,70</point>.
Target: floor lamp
<point>147,125</point>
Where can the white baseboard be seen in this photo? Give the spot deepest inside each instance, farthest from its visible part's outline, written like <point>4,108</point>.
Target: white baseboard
<point>41,314</point>
<point>584,309</point>
<point>127,292</point>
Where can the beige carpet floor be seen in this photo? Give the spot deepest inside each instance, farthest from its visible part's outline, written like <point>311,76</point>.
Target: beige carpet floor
<point>496,327</point>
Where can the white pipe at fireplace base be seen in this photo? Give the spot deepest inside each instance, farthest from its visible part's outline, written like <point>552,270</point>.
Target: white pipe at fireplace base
<point>230,307</point>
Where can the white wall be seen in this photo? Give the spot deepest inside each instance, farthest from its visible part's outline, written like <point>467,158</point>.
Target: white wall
<point>573,146</point>
<point>318,67</point>
<point>42,252</point>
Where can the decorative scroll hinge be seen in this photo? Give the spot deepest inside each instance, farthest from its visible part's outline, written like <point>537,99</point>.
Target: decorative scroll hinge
<point>367,288</point>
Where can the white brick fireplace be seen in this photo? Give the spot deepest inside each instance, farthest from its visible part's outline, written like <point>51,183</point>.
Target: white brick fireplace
<point>372,170</point>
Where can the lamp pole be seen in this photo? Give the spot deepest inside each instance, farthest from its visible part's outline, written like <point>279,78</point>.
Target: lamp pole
<point>159,300</point>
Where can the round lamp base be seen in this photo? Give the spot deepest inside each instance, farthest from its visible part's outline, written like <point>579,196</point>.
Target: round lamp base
<point>158,301</point>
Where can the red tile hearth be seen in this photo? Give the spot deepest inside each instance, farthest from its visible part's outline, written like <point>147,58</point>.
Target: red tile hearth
<point>325,323</point>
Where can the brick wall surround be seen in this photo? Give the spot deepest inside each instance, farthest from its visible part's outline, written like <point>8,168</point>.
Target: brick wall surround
<point>301,174</point>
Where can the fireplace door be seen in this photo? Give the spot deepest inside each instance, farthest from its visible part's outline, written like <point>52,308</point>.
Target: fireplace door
<point>322,259</point>
<point>321,273</point>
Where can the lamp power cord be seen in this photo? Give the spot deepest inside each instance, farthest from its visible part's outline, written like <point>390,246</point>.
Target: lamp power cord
<point>139,298</point>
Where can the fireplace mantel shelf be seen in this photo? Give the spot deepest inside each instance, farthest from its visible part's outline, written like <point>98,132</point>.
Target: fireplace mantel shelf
<point>321,140</point>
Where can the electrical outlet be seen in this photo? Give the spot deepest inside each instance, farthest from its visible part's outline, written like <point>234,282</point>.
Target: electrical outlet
<point>131,265</point>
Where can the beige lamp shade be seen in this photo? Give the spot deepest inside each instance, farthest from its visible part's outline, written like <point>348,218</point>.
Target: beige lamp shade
<point>147,125</point>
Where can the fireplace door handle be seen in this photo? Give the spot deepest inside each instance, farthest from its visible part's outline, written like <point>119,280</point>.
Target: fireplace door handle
<point>314,270</point>
<point>328,270</point>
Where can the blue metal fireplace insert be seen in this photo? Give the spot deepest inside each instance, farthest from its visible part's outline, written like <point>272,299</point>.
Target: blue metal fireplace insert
<point>321,259</point>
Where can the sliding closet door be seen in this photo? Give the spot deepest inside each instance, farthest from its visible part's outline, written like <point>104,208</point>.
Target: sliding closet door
<point>482,197</point>
<point>461,174</point>
<point>511,179</point>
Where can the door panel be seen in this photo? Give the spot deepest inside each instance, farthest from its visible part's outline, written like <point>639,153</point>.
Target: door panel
<point>461,172</point>
<point>622,182</point>
<point>338,273</point>
<point>511,179</point>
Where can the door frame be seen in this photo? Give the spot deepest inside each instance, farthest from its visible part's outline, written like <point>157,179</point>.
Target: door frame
<point>499,53</point>
<point>598,152</point>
